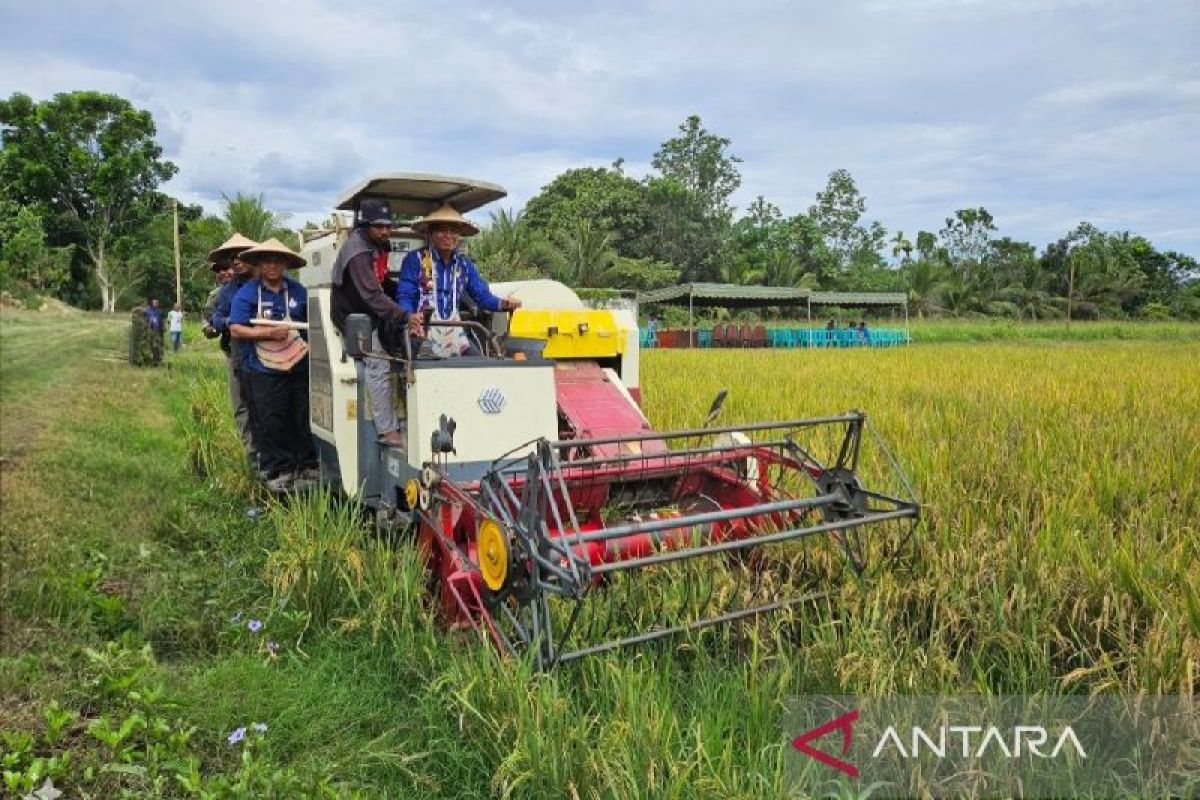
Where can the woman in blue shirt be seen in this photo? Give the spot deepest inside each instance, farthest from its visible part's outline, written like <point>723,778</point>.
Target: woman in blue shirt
<point>436,277</point>
<point>275,364</point>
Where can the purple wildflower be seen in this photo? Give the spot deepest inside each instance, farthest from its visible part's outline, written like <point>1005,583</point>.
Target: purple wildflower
<point>237,735</point>
<point>255,625</point>
<point>261,727</point>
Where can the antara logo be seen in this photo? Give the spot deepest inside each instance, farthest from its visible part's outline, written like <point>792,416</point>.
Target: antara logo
<point>845,724</point>
<point>967,741</point>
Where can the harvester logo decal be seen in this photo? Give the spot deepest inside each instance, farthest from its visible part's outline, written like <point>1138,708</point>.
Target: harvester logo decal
<point>492,400</point>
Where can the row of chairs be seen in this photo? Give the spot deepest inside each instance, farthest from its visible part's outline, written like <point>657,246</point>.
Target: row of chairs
<point>733,335</point>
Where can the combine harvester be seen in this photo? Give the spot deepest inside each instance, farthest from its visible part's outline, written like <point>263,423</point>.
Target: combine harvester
<point>553,518</point>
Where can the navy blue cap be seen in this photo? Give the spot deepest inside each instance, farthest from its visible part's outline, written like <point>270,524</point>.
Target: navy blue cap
<point>373,211</point>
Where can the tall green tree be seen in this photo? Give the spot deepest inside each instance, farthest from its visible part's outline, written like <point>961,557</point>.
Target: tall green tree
<point>699,161</point>
<point>611,201</point>
<point>26,261</point>
<point>92,162</point>
<point>966,242</point>
<point>927,245</point>
<point>839,212</point>
<point>680,233</point>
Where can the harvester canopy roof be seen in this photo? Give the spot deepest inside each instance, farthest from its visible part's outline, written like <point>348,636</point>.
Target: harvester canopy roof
<point>726,295</point>
<point>418,193</point>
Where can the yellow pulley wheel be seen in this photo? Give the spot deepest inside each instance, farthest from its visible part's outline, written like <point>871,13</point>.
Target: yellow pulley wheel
<point>492,548</point>
<point>412,493</point>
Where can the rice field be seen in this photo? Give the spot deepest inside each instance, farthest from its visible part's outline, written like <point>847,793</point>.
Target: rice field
<point>1060,487</point>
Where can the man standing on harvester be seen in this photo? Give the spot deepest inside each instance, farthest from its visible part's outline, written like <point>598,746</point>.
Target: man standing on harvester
<point>358,275</point>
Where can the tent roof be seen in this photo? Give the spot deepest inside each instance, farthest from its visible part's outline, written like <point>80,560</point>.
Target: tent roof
<point>858,299</point>
<point>725,295</point>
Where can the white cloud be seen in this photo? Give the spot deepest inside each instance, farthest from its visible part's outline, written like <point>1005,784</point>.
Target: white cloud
<point>1045,112</point>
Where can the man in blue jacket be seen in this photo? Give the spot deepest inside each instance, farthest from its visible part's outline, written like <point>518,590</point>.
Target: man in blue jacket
<point>436,278</point>
<point>229,254</point>
<point>275,364</point>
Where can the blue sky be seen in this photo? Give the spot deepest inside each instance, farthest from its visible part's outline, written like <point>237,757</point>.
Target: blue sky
<point>1047,112</point>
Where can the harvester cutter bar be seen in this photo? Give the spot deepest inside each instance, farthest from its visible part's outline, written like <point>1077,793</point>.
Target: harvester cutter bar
<point>575,520</point>
<point>719,619</point>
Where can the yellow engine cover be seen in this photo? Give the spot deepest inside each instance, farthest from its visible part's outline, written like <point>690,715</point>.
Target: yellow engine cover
<point>576,333</point>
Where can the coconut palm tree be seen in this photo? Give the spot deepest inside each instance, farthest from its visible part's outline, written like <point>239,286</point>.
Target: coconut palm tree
<point>900,244</point>
<point>784,269</point>
<point>925,281</point>
<point>587,253</point>
<point>741,271</point>
<point>509,249</point>
<point>248,215</point>
<point>1029,295</point>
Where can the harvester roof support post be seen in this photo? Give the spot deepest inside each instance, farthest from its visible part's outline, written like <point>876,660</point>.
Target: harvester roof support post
<point>907,335</point>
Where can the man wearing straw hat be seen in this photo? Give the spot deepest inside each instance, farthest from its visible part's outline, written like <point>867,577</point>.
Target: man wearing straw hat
<point>227,259</point>
<point>357,276</point>
<point>268,316</point>
<point>222,274</point>
<point>437,278</point>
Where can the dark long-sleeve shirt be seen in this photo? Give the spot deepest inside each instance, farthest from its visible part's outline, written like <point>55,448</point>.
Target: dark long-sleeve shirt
<point>356,286</point>
<point>360,271</point>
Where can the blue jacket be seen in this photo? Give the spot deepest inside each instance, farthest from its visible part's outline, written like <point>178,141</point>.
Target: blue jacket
<point>416,290</point>
<point>245,308</point>
<point>221,308</point>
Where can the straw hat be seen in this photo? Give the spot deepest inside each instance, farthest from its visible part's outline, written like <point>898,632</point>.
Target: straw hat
<point>232,247</point>
<point>447,214</point>
<point>272,247</point>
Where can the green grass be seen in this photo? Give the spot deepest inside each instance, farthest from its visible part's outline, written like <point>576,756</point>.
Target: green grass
<point>1061,490</point>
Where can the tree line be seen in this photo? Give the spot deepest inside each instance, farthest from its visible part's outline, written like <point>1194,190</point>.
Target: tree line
<point>82,217</point>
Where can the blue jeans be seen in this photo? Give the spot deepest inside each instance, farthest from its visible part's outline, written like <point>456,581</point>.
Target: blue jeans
<point>176,340</point>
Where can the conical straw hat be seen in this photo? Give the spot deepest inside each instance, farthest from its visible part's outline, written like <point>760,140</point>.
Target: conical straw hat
<point>233,246</point>
<point>446,214</point>
<point>272,247</point>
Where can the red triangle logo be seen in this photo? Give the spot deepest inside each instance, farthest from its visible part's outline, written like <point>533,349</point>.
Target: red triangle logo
<point>845,724</point>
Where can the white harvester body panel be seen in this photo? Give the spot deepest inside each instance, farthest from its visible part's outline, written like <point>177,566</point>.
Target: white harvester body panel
<point>496,410</point>
<point>332,389</point>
